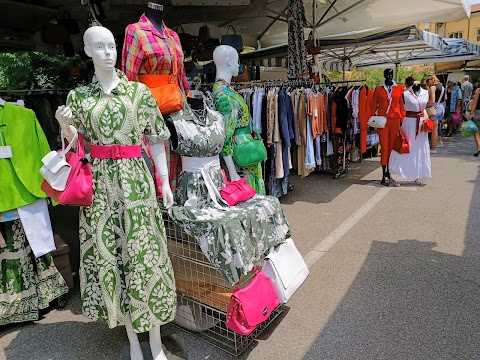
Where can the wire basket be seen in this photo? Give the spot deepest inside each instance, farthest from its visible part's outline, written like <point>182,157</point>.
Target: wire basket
<point>203,294</point>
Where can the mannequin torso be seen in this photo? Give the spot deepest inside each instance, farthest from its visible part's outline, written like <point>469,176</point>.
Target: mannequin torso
<point>154,13</point>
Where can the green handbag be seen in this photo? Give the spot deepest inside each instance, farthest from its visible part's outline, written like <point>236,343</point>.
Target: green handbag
<point>250,152</point>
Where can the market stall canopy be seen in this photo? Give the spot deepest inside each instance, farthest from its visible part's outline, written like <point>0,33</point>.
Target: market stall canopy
<point>259,21</point>
<point>376,48</point>
<point>408,46</point>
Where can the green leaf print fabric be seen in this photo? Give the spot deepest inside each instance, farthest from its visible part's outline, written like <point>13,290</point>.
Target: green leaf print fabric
<point>125,266</point>
<point>26,284</point>
<point>233,238</point>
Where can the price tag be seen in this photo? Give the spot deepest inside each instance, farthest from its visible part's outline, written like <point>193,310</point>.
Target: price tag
<point>315,112</point>
<point>5,152</point>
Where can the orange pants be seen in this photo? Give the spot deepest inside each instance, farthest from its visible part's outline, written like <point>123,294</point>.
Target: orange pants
<point>387,137</point>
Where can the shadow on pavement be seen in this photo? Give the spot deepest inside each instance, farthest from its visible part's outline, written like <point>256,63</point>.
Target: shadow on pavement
<point>416,304</point>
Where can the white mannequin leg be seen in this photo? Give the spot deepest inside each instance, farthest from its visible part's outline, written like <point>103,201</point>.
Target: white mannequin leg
<point>156,344</point>
<point>135,349</point>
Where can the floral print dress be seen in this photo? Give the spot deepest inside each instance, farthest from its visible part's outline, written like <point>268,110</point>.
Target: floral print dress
<point>236,115</point>
<point>233,238</point>
<point>125,266</point>
<point>27,284</point>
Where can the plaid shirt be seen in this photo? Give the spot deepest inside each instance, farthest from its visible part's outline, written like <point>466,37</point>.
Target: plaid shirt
<point>147,51</point>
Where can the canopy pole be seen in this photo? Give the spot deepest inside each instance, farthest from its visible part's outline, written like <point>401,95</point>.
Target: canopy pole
<point>344,60</point>
<point>396,67</point>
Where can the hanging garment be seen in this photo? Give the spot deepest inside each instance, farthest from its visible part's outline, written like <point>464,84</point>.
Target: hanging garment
<point>365,99</point>
<point>380,102</point>
<point>279,169</point>
<point>302,119</point>
<point>236,115</point>
<point>20,174</point>
<point>27,285</point>
<point>233,238</point>
<point>297,52</point>
<point>125,266</point>
<point>416,164</point>
<point>37,226</point>
<point>316,112</point>
<point>147,51</point>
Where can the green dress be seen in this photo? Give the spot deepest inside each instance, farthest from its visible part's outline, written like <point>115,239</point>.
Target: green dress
<point>125,266</point>
<point>27,285</point>
<point>236,115</point>
<point>234,238</point>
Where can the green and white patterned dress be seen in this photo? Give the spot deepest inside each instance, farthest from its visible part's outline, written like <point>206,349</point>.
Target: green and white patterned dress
<point>125,266</point>
<point>27,285</point>
<point>233,238</point>
<point>236,115</point>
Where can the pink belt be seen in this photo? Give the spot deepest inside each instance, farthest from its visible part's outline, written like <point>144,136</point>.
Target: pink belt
<point>115,151</point>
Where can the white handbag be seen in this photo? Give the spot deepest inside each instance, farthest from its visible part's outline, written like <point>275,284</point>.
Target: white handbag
<point>377,121</point>
<point>285,266</point>
<point>55,169</point>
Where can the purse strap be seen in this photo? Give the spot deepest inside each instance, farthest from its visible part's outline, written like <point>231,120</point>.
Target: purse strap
<point>389,104</point>
<point>441,95</point>
<point>416,98</point>
<point>174,52</point>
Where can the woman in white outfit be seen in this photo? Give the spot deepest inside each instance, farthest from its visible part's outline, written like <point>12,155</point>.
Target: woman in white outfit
<point>416,164</point>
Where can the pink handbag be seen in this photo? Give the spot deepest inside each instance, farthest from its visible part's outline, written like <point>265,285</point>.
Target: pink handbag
<point>252,305</point>
<point>456,118</point>
<point>78,191</point>
<point>236,192</point>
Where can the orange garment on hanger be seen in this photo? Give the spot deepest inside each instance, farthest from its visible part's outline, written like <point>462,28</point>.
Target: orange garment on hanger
<point>316,111</point>
<point>364,104</point>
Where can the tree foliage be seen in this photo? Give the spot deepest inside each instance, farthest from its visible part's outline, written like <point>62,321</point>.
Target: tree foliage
<point>375,77</point>
<point>36,70</point>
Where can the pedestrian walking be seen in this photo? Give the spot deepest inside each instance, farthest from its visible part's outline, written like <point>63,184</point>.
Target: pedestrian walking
<point>454,105</point>
<point>436,109</point>
<point>474,114</point>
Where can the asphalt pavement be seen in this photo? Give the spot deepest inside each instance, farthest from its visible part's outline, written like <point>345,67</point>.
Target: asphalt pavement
<point>394,274</point>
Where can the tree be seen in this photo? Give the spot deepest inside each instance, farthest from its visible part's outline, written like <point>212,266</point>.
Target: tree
<point>36,70</point>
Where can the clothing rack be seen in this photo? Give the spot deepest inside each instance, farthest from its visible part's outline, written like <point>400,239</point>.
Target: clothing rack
<point>299,82</point>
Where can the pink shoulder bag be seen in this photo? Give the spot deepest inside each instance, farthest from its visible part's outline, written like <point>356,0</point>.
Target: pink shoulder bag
<point>252,304</point>
<point>78,190</point>
<point>236,192</point>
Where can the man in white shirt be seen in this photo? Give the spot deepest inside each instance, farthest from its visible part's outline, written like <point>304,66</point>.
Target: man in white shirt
<point>467,88</point>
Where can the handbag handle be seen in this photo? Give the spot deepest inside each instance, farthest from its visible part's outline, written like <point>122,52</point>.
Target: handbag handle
<point>70,144</point>
<point>234,31</point>
<point>80,146</point>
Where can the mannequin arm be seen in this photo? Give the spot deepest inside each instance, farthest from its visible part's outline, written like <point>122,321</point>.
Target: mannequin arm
<point>232,171</point>
<point>160,161</point>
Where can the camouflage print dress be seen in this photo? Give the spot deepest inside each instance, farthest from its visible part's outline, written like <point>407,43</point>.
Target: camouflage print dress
<point>233,238</point>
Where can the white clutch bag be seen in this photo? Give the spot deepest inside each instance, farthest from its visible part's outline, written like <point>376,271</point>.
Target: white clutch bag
<point>55,169</point>
<point>285,266</point>
<point>377,121</point>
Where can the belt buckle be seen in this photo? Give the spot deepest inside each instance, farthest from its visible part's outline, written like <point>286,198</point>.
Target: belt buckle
<point>116,152</point>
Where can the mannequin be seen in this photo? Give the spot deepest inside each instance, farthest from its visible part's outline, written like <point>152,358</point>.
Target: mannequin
<point>154,13</point>
<point>100,46</point>
<point>416,164</point>
<point>387,101</point>
<point>147,50</point>
<point>235,113</point>
<point>226,62</point>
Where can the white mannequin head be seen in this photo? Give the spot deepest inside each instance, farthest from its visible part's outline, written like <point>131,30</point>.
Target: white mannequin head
<point>226,60</point>
<point>100,46</point>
